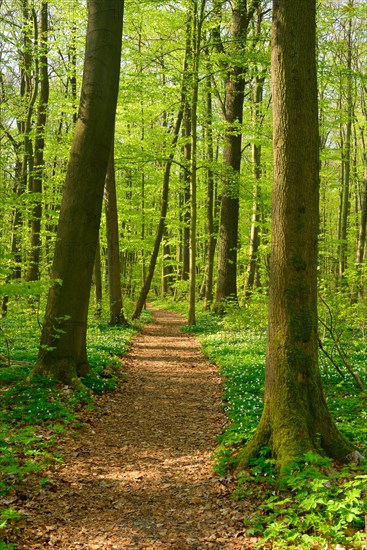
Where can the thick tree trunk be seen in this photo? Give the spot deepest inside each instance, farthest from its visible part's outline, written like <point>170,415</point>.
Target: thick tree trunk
<point>295,417</point>
<point>62,353</point>
<point>113,249</point>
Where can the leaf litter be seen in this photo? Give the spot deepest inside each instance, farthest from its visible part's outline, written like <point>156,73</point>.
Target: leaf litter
<point>138,474</point>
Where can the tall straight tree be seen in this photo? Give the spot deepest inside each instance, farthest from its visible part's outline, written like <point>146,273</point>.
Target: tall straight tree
<point>197,18</point>
<point>113,249</point>
<point>295,418</point>
<point>242,13</point>
<point>62,353</point>
<point>39,145</point>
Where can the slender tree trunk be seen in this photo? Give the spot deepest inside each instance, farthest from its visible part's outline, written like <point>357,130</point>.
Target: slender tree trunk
<point>39,145</point>
<point>73,72</point>
<point>235,86</point>
<point>346,162</point>
<point>63,353</point>
<point>97,276</point>
<point>23,167</point>
<point>197,21</point>
<point>160,229</point>
<point>113,249</point>
<point>167,270</point>
<point>361,243</point>
<point>186,192</point>
<point>210,193</point>
<point>253,264</point>
<point>28,95</point>
<point>295,418</point>
<point>164,200</point>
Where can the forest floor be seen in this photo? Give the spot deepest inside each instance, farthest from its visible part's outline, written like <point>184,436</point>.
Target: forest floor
<point>139,473</point>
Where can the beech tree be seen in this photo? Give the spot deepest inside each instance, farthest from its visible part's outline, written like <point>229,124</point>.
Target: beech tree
<point>242,13</point>
<point>36,181</point>
<point>62,353</point>
<point>295,418</point>
<point>113,247</point>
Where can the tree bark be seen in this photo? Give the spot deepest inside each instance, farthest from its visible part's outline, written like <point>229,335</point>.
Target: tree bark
<point>346,164</point>
<point>197,21</point>
<point>113,249</point>
<point>234,94</point>
<point>185,270</point>
<point>361,243</point>
<point>253,277</point>
<point>62,353</point>
<point>39,145</point>
<point>167,269</point>
<point>164,200</point>
<point>97,280</point>
<point>162,220</point>
<point>295,418</point>
<point>253,271</point>
<point>210,193</point>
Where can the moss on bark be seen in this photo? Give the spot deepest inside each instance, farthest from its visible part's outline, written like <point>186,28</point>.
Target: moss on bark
<point>65,370</point>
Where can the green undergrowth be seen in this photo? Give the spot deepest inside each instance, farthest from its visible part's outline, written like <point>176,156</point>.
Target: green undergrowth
<point>315,503</point>
<point>34,411</point>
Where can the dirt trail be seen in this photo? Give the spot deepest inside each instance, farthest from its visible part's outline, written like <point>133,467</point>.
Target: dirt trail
<point>139,474</point>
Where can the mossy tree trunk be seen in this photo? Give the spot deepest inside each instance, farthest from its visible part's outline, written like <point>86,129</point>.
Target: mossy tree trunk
<point>62,353</point>
<point>295,417</point>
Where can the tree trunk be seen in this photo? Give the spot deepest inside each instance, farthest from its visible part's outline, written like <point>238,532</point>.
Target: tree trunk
<point>185,270</point>
<point>113,249</point>
<point>253,267</point>
<point>39,145</point>
<point>62,353</point>
<point>346,164</point>
<point>210,205</point>
<point>97,276</point>
<point>160,229</point>
<point>295,418</point>
<point>362,233</point>
<point>164,200</point>
<point>197,21</point>
<point>234,94</point>
<point>167,270</point>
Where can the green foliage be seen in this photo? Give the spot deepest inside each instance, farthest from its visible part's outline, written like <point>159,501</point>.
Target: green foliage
<point>311,505</point>
<point>28,288</point>
<point>206,323</point>
<point>35,410</point>
<point>241,357</point>
<point>8,518</point>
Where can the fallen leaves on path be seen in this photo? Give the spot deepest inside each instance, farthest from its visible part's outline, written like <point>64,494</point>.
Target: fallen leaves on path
<point>138,475</point>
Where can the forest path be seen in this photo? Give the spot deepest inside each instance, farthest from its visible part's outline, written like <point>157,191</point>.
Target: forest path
<point>138,475</point>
